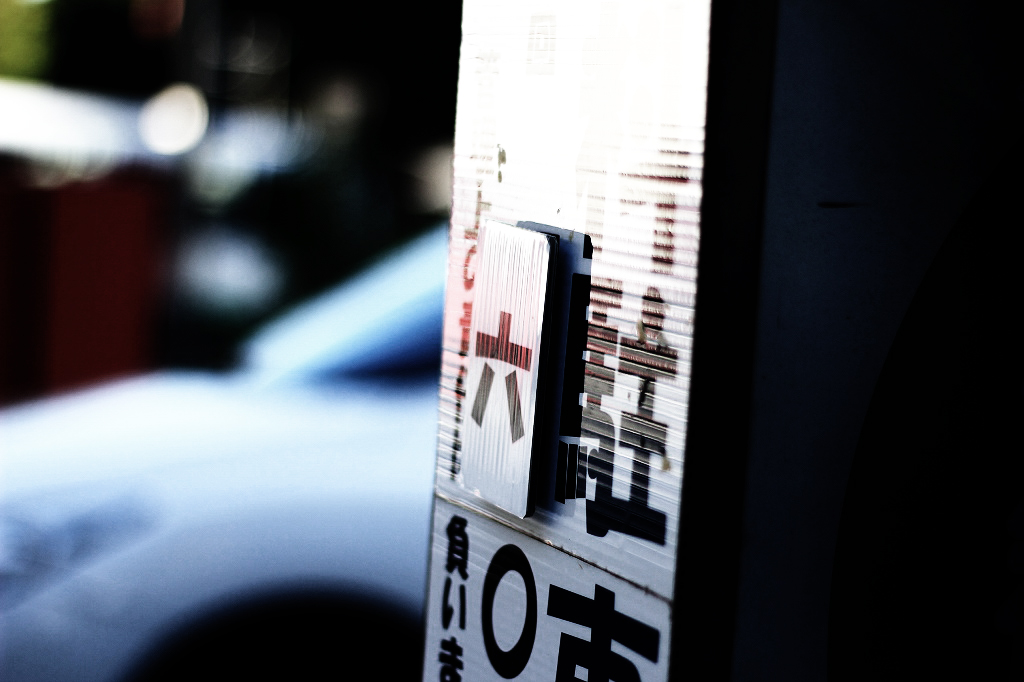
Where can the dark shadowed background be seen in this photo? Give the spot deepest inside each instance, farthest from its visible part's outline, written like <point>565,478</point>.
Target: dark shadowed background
<point>329,138</point>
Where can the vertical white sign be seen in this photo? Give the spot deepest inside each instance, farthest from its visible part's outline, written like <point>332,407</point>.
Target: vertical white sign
<point>588,117</point>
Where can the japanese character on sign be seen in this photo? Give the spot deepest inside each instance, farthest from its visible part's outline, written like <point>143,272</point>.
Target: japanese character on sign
<point>631,516</point>
<point>458,559</point>
<point>450,659</point>
<point>458,546</point>
<point>638,431</point>
<point>606,626</point>
<point>448,610</point>
<point>508,664</point>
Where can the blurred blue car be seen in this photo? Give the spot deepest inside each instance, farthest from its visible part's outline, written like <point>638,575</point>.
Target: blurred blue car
<point>269,522</point>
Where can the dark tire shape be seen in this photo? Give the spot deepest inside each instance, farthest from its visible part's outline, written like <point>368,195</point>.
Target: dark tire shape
<point>303,635</point>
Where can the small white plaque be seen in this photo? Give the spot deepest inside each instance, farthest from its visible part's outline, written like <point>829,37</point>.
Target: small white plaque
<point>504,354</point>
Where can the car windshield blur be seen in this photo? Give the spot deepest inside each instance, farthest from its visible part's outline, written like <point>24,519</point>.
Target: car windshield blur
<point>384,321</point>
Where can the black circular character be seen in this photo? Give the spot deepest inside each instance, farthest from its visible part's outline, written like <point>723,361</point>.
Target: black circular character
<point>509,663</point>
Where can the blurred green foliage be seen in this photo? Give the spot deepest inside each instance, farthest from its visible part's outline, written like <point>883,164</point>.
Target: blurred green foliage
<point>24,38</point>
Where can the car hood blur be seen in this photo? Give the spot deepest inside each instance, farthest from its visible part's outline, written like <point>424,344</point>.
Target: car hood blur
<point>137,504</point>
<point>297,393</point>
<point>91,473</point>
<point>182,488</point>
<point>342,439</point>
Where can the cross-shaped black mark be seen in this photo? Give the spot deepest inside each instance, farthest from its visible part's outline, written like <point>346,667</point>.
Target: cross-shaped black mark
<point>500,348</point>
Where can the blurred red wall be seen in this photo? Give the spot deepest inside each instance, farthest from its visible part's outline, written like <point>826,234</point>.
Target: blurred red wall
<point>79,270</point>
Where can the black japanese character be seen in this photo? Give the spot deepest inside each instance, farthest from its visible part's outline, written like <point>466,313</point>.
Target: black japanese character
<point>570,472</point>
<point>509,664</point>
<point>606,626</point>
<point>450,659</point>
<point>458,546</point>
<point>447,610</point>
<point>632,515</point>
